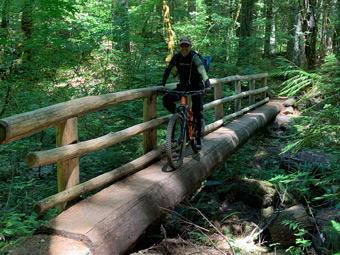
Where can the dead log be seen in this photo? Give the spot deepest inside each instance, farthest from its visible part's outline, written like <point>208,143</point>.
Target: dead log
<point>282,233</point>
<point>301,159</point>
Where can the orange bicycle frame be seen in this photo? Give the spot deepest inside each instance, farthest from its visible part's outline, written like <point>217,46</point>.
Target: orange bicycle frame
<point>190,118</point>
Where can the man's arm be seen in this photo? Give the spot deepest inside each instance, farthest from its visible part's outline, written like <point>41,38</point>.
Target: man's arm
<point>200,67</point>
<point>167,71</point>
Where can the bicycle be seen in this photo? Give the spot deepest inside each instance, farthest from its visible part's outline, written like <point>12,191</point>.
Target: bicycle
<point>182,126</point>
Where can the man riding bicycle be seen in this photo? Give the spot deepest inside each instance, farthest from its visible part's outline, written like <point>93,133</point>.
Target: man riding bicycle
<point>192,76</point>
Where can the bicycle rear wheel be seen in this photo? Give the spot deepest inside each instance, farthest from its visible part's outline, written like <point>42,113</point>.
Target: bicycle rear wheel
<point>175,141</point>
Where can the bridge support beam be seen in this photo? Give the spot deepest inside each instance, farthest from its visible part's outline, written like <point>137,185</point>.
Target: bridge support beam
<point>111,221</point>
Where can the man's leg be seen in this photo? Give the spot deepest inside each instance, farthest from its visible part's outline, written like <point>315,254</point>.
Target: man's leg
<point>169,101</point>
<point>197,108</point>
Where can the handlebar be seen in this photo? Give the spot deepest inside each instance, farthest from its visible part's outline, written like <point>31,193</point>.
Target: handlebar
<point>183,93</point>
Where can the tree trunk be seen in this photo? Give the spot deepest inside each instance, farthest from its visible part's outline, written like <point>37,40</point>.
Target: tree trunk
<point>327,30</point>
<point>295,47</point>
<point>4,19</point>
<point>337,32</point>
<point>269,44</point>
<point>209,4</point>
<point>170,34</point>
<point>191,6</point>
<point>27,27</point>
<point>121,31</point>
<point>246,20</point>
<point>310,30</point>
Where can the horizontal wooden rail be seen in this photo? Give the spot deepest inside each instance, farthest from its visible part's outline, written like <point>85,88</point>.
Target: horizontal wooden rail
<point>231,98</point>
<point>220,122</point>
<point>25,124</point>
<point>243,77</point>
<point>97,182</point>
<point>40,158</point>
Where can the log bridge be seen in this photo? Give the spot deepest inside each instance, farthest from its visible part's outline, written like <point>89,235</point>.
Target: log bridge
<point>114,219</point>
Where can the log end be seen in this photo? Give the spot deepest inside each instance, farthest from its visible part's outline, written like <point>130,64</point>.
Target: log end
<point>2,132</point>
<point>37,208</point>
<point>31,159</point>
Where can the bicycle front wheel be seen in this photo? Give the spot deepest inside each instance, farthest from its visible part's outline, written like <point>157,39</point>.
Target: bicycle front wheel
<point>175,141</point>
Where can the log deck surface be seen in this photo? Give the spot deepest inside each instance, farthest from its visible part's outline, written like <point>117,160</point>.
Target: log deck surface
<point>111,221</point>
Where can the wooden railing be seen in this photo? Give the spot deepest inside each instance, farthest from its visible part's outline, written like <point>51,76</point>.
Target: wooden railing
<point>64,117</point>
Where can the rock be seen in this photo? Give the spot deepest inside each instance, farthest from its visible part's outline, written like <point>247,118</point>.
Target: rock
<point>289,110</point>
<point>258,194</point>
<point>289,102</point>
<point>281,120</point>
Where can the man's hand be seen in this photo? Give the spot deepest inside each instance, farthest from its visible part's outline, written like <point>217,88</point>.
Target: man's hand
<point>208,90</point>
<point>207,84</point>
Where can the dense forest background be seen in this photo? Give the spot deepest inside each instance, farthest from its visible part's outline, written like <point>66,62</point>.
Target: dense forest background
<point>56,50</point>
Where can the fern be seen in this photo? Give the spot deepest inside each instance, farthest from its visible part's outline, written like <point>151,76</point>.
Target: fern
<point>323,87</point>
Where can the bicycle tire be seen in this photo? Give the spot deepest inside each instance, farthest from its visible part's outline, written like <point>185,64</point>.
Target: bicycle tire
<point>175,144</point>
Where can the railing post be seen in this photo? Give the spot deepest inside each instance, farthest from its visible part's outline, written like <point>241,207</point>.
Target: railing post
<point>237,91</point>
<point>264,84</point>
<point>252,87</point>
<point>149,113</point>
<point>68,170</point>
<point>218,95</point>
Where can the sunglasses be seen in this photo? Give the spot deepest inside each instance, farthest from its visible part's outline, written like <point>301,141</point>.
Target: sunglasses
<point>184,45</point>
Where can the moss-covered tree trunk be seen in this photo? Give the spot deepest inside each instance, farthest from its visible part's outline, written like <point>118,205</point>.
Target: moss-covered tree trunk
<point>310,30</point>
<point>170,34</point>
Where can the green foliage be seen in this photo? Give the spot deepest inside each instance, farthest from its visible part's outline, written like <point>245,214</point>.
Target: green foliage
<point>323,116</point>
<point>301,242</point>
<point>82,48</point>
<point>333,236</point>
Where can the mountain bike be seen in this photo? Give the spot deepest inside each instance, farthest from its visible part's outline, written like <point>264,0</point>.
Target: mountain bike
<point>181,127</point>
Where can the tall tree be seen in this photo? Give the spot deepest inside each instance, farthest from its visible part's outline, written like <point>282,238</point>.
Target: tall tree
<point>121,31</point>
<point>245,31</point>
<point>27,27</point>
<point>310,30</point>
<point>327,29</point>
<point>170,34</point>
<point>295,46</point>
<point>337,30</point>
<point>269,43</point>
<point>4,19</point>
<point>191,6</point>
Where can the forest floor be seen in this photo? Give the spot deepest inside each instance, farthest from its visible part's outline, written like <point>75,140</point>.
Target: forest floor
<point>214,217</point>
